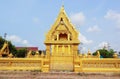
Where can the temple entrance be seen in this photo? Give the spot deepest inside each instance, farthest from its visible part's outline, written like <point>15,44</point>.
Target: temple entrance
<point>61,63</point>
<point>61,58</point>
<point>62,43</point>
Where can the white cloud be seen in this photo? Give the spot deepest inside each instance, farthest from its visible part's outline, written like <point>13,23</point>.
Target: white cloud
<point>25,42</point>
<point>36,20</point>
<point>14,38</point>
<point>77,18</point>
<point>104,45</point>
<point>114,16</point>
<point>95,28</point>
<point>84,50</point>
<point>17,40</point>
<point>101,45</point>
<point>84,40</point>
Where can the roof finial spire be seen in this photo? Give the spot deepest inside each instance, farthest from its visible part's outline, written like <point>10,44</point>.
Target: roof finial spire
<point>62,8</point>
<point>62,3</point>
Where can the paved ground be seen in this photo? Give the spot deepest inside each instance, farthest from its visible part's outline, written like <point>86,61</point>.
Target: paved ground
<point>56,75</point>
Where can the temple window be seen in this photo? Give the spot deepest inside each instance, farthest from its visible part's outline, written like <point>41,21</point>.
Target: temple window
<point>63,36</point>
<point>61,19</point>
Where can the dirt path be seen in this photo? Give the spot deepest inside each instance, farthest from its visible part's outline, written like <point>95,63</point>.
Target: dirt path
<point>56,75</point>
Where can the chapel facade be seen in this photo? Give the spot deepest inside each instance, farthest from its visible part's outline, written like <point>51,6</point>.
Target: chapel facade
<point>62,38</point>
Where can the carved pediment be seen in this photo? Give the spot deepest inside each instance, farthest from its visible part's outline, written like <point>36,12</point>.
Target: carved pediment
<point>62,29</point>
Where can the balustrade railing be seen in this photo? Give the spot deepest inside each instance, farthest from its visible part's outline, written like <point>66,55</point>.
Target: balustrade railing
<point>97,65</point>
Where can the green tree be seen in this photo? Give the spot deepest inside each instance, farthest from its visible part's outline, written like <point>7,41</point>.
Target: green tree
<point>105,53</point>
<point>12,48</point>
<point>17,53</point>
<point>1,42</point>
<point>21,53</point>
<point>10,45</point>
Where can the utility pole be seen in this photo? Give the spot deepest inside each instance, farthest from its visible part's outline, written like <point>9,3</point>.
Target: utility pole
<point>5,35</point>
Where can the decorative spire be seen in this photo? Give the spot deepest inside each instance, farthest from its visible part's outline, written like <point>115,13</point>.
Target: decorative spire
<point>62,3</point>
<point>89,53</point>
<point>62,8</point>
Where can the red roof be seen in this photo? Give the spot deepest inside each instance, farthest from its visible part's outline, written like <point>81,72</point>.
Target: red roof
<point>28,48</point>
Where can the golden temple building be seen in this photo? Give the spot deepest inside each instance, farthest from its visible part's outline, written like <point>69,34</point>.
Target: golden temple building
<point>62,42</point>
<point>62,38</point>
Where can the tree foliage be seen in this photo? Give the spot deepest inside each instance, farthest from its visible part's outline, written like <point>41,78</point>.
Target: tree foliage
<point>105,53</point>
<point>1,42</point>
<point>12,48</point>
<point>21,53</point>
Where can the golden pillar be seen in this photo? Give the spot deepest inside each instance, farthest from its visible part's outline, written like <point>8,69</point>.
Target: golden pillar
<point>57,50</point>
<point>68,37</point>
<point>53,49</point>
<point>47,50</point>
<point>57,37</point>
<point>75,50</point>
<point>63,49</point>
<point>69,49</point>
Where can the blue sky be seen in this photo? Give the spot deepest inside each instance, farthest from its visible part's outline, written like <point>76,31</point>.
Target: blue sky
<point>27,21</point>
